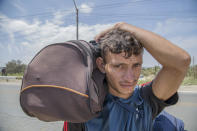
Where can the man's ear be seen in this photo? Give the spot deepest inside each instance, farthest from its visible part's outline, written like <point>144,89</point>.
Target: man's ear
<point>100,64</point>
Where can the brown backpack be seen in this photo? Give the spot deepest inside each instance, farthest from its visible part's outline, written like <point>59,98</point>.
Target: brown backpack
<point>63,83</point>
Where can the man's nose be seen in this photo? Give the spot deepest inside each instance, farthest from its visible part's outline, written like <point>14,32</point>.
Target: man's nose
<point>129,76</point>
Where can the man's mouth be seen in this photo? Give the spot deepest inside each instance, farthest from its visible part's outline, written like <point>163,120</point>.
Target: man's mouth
<point>126,85</point>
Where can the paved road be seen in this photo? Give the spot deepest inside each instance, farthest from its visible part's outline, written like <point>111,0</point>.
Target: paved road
<point>186,109</point>
<point>13,119</point>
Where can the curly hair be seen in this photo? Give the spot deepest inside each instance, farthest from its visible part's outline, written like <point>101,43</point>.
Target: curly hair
<point>118,41</point>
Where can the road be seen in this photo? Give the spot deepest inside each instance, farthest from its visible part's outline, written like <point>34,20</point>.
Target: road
<point>186,109</point>
<point>12,117</point>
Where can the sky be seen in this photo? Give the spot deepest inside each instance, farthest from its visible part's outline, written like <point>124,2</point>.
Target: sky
<point>26,26</point>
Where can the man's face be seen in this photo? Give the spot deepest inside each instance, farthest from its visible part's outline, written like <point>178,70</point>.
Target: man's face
<point>122,73</point>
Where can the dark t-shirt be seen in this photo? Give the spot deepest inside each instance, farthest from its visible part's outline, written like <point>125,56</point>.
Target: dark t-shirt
<point>156,104</point>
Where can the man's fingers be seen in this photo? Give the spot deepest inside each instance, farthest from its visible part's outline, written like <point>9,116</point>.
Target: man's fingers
<point>100,35</point>
<point>119,25</point>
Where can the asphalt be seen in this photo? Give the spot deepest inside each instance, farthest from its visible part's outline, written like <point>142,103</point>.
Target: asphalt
<point>12,118</point>
<point>189,88</point>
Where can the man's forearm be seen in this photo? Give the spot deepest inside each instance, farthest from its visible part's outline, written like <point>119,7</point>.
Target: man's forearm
<point>166,53</point>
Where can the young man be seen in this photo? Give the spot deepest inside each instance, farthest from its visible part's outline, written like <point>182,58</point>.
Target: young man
<point>129,107</point>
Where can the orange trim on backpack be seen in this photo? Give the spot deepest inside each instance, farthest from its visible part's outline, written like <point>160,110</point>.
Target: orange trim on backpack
<point>54,86</point>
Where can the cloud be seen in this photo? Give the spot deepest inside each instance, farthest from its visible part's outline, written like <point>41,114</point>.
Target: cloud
<point>88,32</point>
<point>172,27</point>
<point>85,8</point>
<point>25,39</point>
<point>181,32</point>
<point>25,44</point>
<point>185,42</point>
<point>178,30</point>
<point>59,16</point>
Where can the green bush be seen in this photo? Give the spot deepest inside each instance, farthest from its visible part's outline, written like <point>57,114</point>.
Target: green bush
<point>189,81</point>
<point>15,67</point>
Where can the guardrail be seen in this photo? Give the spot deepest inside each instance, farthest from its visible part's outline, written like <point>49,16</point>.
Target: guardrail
<point>10,77</point>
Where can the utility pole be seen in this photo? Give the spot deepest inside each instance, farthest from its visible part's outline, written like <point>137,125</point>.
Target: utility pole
<point>77,20</point>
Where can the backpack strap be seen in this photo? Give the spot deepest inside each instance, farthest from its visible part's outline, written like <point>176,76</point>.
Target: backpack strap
<point>125,106</point>
<point>136,107</point>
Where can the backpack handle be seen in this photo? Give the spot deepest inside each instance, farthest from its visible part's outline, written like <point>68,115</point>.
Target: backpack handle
<point>85,51</point>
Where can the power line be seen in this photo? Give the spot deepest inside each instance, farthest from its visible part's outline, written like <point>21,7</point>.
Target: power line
<point>108,6</point>
<point>136,14</point>
<point>40,15</point>
<point>22,33</point>
<point>131,3</point>
<point>137,18</point>
<point>147,17</point>
<point>37,14</point>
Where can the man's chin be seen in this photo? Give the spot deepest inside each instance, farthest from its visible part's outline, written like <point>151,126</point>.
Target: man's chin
<point>127,90</point>
<point>126,94</point>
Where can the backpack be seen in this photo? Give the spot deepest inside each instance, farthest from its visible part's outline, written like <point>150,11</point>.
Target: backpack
<point>63,83</point>
<point>167,122</point>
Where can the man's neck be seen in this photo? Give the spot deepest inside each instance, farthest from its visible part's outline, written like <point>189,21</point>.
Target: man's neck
<point>119,94</point>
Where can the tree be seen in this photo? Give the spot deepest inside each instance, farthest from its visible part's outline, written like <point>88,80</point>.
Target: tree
<point>192,71</point>
<point>150,71</point>
<point>15,66</point>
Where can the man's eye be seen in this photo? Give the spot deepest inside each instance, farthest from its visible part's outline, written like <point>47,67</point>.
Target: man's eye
<point>117,66</point>
<point>137,65</point>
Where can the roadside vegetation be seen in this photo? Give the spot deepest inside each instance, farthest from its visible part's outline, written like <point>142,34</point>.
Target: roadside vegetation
<point>14,68</point>
<point>17,68</point>
<point>149,73</point>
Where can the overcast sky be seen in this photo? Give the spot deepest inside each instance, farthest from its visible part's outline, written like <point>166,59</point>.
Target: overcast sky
<point>27,26</point>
